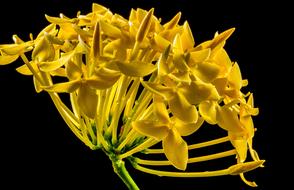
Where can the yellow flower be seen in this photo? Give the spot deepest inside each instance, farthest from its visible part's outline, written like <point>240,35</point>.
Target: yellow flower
<point>135,82</point>
<point>10,52</point>
<point>169,131</point>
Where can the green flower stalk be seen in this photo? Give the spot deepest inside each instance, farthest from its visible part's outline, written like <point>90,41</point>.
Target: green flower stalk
<point>134,83</point>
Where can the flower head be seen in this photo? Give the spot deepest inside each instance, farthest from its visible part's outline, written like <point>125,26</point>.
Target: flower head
<point>135,82</point>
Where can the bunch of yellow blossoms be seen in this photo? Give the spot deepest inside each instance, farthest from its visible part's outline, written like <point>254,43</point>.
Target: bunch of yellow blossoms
<point>134,82</point>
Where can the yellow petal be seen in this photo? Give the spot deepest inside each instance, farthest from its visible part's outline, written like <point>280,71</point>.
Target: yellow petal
<point>223,60</point>
<point>158,89</point>
<point>13,49</point>
<point>199,56</point>
<point>187,37</point>
<point>140,15</point>
<point>182,109</point>
<point>7,59</point>
<point>235,77</point>
<point>151,129</point>
<point>249,108</point>
<point>133,16</point>
<point>43,51</point>
<point>199,91</point>
<point>17,39</point>
<point>57,20</point>
<point>54,40</point>
<point>67,46</point>
<point>103,78</point>
<point>183,77</point>
<point>63,87</point>
<point>186,129</point>
<point>136,68</point>
<point>160,111</point>
<point>207,110</point>
<point>253,153</point>
<point>97,8</point>
<point>240,145</point>
<point>180,62</point>
<point>87,101</point>
<point>73,72</point>
<point>221,85</point>
<point>82,47</point>
<point>173,22</point>
<point>49,66</point>
<point>110,30</point>
<point>50,29</point>
<point>247,122</point>
<point>250,100</point>
<point>171,34</point>
<point>144,26</point>
<point>112,47</point>
<point>206,71</point>
<point>175,149</point>
<point>160,43</point>
<point>25,70</point>
<point>85,34</point>
<point>163,67</point>
<point>177,45</point>
<point>60,72</point>
<point>228,120</point>
<point>221,38</point>
<point>37,85</point>
<point>67,32</point>
<point>119,21</point>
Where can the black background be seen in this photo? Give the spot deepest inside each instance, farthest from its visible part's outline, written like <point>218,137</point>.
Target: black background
<point>39,151</point>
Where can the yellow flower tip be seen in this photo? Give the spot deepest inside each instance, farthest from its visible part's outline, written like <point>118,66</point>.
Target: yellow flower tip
<point>145,25</point>
<point>226,34</point>
<point>219,40</point>
<point>249,183</point>
<point>96,47</point>
<point>187,37</point>
<point>176,149</point>
<point>245,167</point>
<point>173,22</point>
<point>16,39</point>
<point>97,8</point>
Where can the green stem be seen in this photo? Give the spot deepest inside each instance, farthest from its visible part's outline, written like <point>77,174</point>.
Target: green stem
<point>120,169</point>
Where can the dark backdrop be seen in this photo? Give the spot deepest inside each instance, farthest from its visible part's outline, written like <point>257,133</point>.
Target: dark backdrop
<point>39,151</point>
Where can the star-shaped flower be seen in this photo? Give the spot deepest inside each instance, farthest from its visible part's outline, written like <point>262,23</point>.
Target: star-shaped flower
<point>169,131</point>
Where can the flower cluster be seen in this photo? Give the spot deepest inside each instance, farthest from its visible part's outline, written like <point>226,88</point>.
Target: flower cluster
<point>135,82</point>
